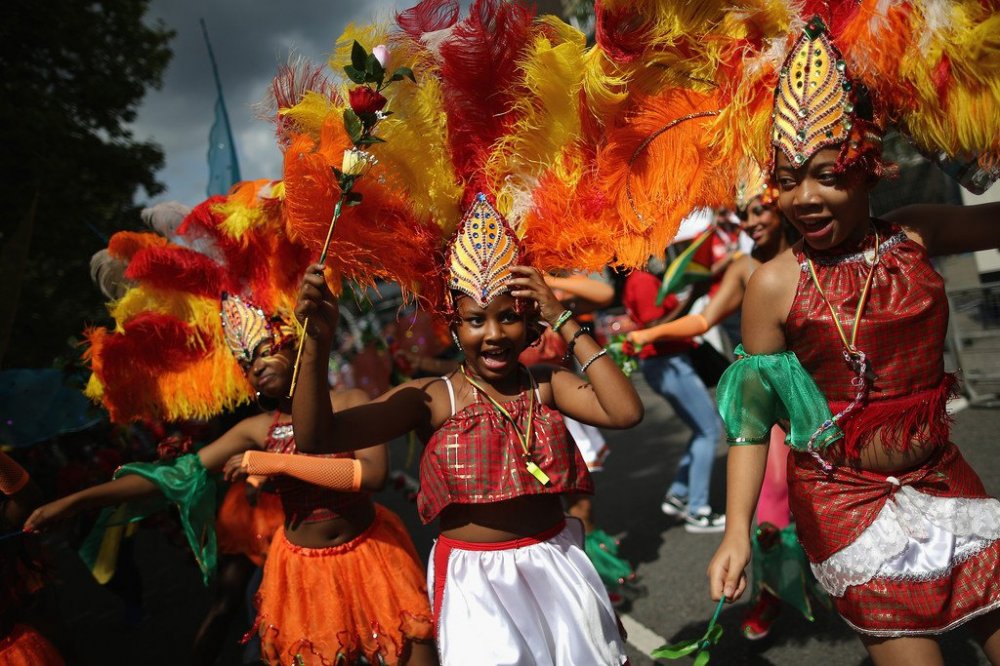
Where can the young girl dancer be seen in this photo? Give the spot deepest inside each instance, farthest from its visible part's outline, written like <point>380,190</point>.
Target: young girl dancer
<point>897,527</point>
<point>352,557</point>
<point>334,535</point>
<point>497,458</point>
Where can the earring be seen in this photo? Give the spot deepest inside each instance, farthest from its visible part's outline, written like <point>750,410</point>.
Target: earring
<point>454,336</point>
<point>268,404</point>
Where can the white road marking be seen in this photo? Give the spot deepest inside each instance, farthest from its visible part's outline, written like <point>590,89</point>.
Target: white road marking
<point>640,636</point>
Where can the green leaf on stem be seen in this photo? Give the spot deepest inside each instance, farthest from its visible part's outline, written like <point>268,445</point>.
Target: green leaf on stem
<point>354,74</point>
<point>374,69</point>
<point>353,198</point>
<point>359,57</point>
<point>337,173</point>
<point>401,73</point>
<point>369,140</point>
<point>353,125</point>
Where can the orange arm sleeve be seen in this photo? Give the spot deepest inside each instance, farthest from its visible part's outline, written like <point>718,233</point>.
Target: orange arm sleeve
<point>687,326</point>
<point>343,474</point>
<point>13,477</point>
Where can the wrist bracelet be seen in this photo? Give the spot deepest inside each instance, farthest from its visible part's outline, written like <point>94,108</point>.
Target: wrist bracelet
<point>563,318</point>
<point>593,358</point>
<point>572,343</point>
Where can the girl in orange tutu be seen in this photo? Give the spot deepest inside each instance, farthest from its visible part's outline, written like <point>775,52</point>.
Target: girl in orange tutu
<point>335,543</point>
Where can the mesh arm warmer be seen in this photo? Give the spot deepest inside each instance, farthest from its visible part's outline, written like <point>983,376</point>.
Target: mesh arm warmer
<point>343,474</point>
<point>13,477</point>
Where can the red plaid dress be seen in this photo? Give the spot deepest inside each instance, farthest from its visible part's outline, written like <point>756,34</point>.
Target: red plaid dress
<point>902,331</point>
<point>475,457</point>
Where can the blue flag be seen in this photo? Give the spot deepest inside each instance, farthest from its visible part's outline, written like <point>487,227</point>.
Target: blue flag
<point>223,165</point>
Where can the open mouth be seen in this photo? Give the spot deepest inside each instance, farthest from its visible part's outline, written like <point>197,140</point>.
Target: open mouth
<point>495,359</point>
<point>817,227</point>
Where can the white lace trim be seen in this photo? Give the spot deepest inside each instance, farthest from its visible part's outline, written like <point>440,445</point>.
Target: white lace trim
<point>906,522</point>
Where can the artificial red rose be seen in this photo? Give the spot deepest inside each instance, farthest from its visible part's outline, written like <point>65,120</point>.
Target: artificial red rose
<point>365,100</point>
<point>173,446</point>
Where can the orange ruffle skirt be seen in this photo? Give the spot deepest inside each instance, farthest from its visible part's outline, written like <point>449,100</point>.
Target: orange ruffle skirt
<point>26,647</point>
<point>242,529</point>
<point>326,606</point>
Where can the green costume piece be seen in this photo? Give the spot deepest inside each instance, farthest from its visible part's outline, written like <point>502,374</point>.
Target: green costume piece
<point>759,390</point>
<point>780,566</point>
<point>603,553</point>
<point>183,482</point>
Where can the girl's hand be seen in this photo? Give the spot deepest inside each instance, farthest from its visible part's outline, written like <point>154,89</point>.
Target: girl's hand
<point>318,305</point>
<point>531,285</point>
<point>727,570</point>
<point>46,516</point>
<point>637,338</point>
<point>234,470</point>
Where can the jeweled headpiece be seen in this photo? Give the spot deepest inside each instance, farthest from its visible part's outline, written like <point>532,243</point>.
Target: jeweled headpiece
<point>481,253</point>
<point>812,104</point>
<point>752,182</point>
<point>245,327</point>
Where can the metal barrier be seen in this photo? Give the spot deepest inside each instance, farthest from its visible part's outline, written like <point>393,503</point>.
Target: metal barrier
<point>974,335</point>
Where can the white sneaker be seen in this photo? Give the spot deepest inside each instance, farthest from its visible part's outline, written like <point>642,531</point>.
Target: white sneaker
<point>674,506</point>
<point>704,521</point>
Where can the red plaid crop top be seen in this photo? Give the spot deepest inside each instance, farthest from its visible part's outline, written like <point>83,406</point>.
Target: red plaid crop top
<point>304,502</point>
<point>902,331</point>
<point>475,457</point>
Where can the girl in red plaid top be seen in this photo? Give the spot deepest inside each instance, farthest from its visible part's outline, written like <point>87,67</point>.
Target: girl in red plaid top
<point>509,578</point>
<point>897,527</point>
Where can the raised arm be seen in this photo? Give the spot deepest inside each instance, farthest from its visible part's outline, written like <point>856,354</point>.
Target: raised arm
<point>318,429</point>
<point>608,400</point>
<point>596,294</point>
<point>725,302</point>
<point>945,230</point>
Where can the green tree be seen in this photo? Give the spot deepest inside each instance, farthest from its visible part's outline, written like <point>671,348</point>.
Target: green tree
<point>72,75</point>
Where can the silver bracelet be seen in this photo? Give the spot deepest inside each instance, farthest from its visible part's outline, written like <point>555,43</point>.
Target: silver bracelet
<point>593,358</point>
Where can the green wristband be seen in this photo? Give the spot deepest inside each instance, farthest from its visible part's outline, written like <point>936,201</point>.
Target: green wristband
<point>563,318</point>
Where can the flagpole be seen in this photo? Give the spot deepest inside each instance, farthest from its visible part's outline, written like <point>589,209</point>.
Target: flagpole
<point>222,104</point>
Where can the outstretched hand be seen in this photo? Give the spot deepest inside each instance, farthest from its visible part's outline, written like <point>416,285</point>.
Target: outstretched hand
<point>46,516</point>
<point>317,304</point>
<point>531,285</point>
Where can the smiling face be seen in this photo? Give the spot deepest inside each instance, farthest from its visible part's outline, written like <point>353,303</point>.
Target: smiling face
<point>270,371</point>
<point>762,223</point>
<point>827,208</point>
<point>492,337</point>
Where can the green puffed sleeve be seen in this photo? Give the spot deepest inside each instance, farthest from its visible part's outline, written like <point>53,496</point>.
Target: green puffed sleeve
<point>183,482</point>
<point>759,390</point>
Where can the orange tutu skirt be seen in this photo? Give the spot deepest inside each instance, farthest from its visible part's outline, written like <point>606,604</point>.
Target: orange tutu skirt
<point>26,647</point>
<point>242,529</point>
<point>322,606</point>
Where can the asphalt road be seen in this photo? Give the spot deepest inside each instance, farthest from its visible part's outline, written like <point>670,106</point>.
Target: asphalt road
<point>671,562</point>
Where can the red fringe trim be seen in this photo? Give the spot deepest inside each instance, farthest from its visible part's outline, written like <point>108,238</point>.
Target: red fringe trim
<point>921,416</point>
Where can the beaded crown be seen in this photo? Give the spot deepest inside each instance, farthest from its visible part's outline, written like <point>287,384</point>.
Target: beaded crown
<point>752,182</point>
<point>245,327</point>
<point>812,103</point>
<point>481,253</point>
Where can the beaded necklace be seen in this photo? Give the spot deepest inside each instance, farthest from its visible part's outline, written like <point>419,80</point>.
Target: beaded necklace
<point>524,435</point>
<point>855,357</point>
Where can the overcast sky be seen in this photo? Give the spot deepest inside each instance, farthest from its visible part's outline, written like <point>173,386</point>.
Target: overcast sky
<point>250,40</point>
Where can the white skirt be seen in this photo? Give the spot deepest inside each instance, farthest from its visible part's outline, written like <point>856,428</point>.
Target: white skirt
<point>590,441</point>
<point>528,602</point>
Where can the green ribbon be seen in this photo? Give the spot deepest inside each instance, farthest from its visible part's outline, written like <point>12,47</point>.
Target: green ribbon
<point>699,647</point>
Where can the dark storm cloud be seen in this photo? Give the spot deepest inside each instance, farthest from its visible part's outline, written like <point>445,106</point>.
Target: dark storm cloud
<point>250,40</point>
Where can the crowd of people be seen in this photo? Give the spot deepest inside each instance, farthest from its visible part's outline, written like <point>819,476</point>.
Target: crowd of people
<point>842,480</point>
